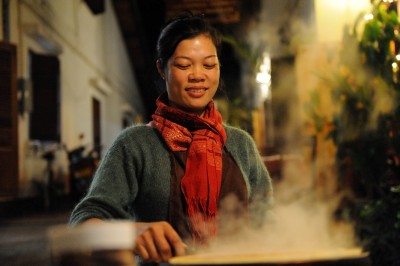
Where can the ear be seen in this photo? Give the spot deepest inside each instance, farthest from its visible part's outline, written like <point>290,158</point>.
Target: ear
<point>159,69</point>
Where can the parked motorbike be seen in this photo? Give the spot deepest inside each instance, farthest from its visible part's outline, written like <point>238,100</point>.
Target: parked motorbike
<point>82,167</point>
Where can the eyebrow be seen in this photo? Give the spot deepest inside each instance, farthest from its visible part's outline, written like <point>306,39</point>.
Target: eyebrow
<point>189,58</point>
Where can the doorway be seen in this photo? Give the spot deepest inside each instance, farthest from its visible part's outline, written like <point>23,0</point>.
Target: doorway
<point>8,121</point>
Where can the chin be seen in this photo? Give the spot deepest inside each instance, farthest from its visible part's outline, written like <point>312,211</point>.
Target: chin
<point>195,107</point>
<point>194,110</point>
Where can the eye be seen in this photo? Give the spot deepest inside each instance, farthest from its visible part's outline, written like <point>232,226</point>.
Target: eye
<point>182,66</point>
<point>210,66</point>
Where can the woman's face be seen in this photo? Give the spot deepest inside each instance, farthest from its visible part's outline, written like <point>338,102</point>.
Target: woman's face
<point>192,74</point>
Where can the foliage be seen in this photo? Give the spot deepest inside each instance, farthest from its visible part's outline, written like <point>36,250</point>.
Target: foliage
<point>366,131</point>
<point>251,55</point>
<point>313,111</point>
<point>379,228</point>
<point>235,113</point>
<point>379,41</point>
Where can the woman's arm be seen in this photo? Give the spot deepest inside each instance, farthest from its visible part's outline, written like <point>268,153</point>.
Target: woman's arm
<point>155,242</point>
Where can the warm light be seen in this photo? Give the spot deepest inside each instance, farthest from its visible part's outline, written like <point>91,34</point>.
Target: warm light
<point>368,17</point>
<point>395,67</point>
<point>264,76</point>
<point>265,90</point>
<point>398,57</point>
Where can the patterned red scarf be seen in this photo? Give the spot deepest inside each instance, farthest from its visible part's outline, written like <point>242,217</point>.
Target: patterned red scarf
<point>203,139</point>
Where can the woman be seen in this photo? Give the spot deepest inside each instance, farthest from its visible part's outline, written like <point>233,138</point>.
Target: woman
<point>171,175</point>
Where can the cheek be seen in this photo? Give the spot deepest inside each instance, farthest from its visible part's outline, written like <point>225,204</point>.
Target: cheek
<point>176,78</point>
<point>216,78</point>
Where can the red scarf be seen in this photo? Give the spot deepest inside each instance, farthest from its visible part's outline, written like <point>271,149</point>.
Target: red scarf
<point>203,139</point>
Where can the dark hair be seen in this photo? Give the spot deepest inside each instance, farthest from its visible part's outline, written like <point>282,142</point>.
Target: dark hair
<point>182,28</point>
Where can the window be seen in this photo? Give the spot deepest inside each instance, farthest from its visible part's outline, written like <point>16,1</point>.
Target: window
<point>45,117</point>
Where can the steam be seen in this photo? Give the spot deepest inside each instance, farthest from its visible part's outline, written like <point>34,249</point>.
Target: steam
<point>297,222</point>
<point>303,216</point>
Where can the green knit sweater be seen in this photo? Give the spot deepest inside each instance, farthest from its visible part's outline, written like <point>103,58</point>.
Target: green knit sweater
<point>133,178</point>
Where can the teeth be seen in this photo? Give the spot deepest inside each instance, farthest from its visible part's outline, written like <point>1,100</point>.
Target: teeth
<point>196,90</point>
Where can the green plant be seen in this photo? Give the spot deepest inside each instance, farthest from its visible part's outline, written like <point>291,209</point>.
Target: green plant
<point>366,131</point>
<point>312,108</point>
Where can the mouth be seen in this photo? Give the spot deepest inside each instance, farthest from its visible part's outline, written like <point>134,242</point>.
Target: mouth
<point>196,89</point>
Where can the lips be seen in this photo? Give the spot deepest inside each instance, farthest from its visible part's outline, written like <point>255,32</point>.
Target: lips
<point>196,89</point>
<point>196,92</point>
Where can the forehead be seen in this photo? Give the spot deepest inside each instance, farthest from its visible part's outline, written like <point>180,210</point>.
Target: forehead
<point>200,43</point>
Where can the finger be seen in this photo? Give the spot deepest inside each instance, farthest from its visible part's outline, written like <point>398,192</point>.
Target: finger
<point>162,244</point>
<point>180,249</point>
<point>141,251</point>
<point>145,248</point>
<point>151,246</point>
<point>164,249</point>
<point>176,242</point>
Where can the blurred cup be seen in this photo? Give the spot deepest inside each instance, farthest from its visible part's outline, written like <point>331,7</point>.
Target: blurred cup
<point>108,243</point>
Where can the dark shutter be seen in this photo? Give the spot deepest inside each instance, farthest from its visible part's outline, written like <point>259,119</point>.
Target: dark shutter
<point>8,121</point>
<point>96,124</point>
<point>45,116</point>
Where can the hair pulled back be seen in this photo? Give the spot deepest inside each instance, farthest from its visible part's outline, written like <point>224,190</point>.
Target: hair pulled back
<point>183,28</point>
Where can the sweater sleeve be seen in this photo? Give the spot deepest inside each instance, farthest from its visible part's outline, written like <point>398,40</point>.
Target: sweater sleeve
<point>262,195</point>
<point>113,188</point>
<point>255,172</point>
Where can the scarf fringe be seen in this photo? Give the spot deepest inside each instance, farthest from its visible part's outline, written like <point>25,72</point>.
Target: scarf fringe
<point>203,222</point>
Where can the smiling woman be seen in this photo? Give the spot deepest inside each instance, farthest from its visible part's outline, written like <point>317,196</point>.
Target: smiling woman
<point>171,175</point>
<point>192,74</point>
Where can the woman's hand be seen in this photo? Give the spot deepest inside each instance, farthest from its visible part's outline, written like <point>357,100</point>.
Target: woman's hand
<point>158,242</point>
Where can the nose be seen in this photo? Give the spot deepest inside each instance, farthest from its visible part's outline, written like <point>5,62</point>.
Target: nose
<point>196,75</point>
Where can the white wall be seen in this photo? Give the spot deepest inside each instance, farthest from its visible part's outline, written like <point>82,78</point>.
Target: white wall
<point>332,16</point>
<point>93,62</point>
